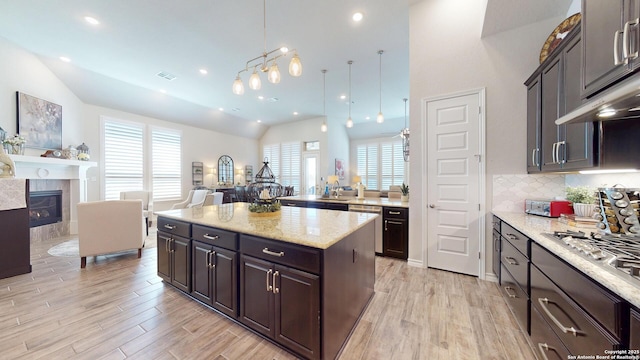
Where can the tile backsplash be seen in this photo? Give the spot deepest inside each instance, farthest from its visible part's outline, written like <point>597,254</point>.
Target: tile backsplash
<point>510,191</point>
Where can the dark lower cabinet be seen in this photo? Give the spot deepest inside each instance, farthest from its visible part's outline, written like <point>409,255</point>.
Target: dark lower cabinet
<point>545,343</point>
<point>281,303</point>
<point>496,254</point>
<point>174,260</point>
<point>214,279</point>
<point>15,240</point>
<point>395,235</point>
<point>634,329</point>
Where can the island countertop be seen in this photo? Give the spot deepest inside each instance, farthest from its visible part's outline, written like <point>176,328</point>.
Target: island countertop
<point>351,200</point>
<point>315,228</point>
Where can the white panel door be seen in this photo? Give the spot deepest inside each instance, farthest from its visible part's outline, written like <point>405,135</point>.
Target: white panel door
<point>453,156</point>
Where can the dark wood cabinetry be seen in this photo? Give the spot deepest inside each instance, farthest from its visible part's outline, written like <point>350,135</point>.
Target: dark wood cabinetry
<point>395,237</point>
<point>605,40</point>
<point>15,240</point>
<point>214,277</point>
<point>174,253</point>
<point>281,303</point>
<point>534,89</point>
<point>327,205</point>
<point>634,329</point>
<point>514,272</point>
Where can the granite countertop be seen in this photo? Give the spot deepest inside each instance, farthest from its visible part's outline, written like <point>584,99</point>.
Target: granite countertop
<point>12,194</point>
<point>316,228</point>
<point>533,226</point>
<point>351,200</point>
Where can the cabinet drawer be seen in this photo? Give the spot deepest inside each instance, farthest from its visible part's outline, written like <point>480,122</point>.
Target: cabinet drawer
<point>297,256</point>
<point>517,264</point>
<point>393,212</point>
<point>634,329</point>
<point>174,227</point>
<point>515,237</point>
<point>563,314</point>
<point>496,223</point>
<point>546,343</point>
<point>294,203</point>
<point>217,237</point>
<point>605,307</point>
<point>516,297</point>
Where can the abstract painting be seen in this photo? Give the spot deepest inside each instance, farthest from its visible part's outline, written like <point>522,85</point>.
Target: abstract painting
<point>39,121</point>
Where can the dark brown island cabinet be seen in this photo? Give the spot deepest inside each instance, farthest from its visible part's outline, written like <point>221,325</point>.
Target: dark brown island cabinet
<point>15,239</point>
<point>304,299</point>
<point>395,237</point>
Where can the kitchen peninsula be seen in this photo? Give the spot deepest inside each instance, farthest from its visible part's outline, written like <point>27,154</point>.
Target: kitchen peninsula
<point>301,278</point>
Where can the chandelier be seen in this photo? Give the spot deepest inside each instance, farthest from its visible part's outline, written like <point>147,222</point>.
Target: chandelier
<point>404,134</point>
<point>266,64</point>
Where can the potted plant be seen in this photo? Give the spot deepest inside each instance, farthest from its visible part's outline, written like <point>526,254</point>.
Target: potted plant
<point>14,145</point>
<point>404,188</point>
<point>583,200</point>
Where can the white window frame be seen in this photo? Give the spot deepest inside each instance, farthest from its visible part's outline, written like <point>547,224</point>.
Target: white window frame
<point>376,174</point>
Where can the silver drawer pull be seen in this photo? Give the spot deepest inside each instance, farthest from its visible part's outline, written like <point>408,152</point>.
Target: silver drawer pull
<point>207,236</point>
<point>512,236</point>
<point>544,347</point>
<point>543,304</point>
<point>394,212</point>
<point>269,287</point>
<point>511,260</point>
<point>170,227</point>
<point>275,287</point>
<point>273,253</point>
<point>507,288</point>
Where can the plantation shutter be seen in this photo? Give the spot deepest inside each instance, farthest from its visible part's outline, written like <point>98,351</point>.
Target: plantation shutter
<point>166,164</point>
<point>123,158</point>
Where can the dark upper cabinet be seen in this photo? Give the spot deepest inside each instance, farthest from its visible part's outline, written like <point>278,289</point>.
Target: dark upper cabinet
<point>533,124</point>
<point>549,149</point>
<point>611,36</point>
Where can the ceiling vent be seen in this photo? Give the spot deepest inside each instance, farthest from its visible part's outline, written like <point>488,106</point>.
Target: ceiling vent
<point>166,75</point>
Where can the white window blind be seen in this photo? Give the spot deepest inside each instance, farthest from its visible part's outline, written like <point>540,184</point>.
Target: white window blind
<point>392,164</point>
<point>123,158</point>
<point>166,164</point>
<point>367,158</point>
<point>272,153</point>
<point>290,165</point>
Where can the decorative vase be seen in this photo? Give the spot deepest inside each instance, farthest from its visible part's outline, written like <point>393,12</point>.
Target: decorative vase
<point>583,210</point>
<point>17,149</point>
<point>404,198</point>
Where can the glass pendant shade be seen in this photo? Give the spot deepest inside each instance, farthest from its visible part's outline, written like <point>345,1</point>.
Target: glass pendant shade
<point>323,127</point>
<point>380,118</point>
<point>349,123</point>
<point>238,87</point>
<point>295,66</point>
<point>254,81</point>
<point>274,73</point>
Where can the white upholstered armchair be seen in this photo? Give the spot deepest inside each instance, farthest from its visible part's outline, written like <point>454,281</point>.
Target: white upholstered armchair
<point>110,226</point>
<point>196,198</point>
<point>147,203</point>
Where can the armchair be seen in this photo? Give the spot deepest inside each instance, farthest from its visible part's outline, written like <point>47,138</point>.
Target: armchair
<point>196,198</point>
<point>214,198</point>
<point>147,203</point>
<point>109,226</point>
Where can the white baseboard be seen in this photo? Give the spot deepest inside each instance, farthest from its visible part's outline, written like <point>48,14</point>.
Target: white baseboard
<point>416,263</point>
<point>491,277</point>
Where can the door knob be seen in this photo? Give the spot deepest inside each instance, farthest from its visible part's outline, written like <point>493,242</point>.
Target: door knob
<point>432,206</point>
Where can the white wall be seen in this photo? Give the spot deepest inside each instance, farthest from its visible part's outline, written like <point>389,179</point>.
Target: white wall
<point>447,55</point>
<point>338,148</point>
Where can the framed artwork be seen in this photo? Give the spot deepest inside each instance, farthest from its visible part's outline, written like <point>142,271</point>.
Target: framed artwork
<point>39,121</point>
<point>340,168</point>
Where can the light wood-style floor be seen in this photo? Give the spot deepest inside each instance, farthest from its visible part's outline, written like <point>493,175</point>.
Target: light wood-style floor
<point>118,308</point>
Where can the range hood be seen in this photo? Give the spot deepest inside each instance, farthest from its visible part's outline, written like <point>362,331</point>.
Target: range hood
<point>619,102</point>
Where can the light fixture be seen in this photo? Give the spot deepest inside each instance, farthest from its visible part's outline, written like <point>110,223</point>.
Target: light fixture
<point>261,62</point>
<point>349,121</point>
<point>203,71</point>
<point>357,16</point>
<point>380,117</point>
<point>91,20</point>
<point>323,127</point>
<point>606,112</point>
<point>404,134</point>
<point>65,59</point>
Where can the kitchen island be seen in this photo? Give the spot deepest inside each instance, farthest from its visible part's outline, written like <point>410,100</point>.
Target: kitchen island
<point>301,278</point>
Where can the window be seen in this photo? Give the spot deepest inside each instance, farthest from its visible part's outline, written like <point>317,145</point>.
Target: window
<point>290,165</point>
<point>311,145</point>
<point>380,164</point>
<point>272,154</point>
<point>166,164</point>
<point>126,163</point>
<point>123,158</point>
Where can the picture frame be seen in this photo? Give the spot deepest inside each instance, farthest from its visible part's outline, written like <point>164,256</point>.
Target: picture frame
<point>39,121</point>
<point>340,168</point>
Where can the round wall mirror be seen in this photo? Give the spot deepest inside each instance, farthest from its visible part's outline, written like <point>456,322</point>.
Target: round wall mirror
<point>225,169</point>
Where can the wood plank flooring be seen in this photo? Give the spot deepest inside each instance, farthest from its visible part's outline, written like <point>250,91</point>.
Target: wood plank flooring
<point>117,308</point>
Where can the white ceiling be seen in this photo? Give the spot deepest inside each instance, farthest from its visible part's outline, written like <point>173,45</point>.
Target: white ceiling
<point>115,63</point>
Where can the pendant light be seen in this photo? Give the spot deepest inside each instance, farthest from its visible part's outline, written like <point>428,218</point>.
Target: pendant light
<point>254,81</point>
<point>323,127</point>
<point>380,117</point>
<point>349,120</point>
<point>274,73</point>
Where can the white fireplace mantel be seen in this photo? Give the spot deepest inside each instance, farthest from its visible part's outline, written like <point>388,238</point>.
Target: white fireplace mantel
<point>44,168</point>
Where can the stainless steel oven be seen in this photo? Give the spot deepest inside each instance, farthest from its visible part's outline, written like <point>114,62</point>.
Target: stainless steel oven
<point>378,222</point>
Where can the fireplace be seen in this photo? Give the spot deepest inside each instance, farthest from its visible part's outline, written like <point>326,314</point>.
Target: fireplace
<point>45,207</point>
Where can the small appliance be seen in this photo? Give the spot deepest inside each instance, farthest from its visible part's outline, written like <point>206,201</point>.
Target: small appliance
<point>548,208</point>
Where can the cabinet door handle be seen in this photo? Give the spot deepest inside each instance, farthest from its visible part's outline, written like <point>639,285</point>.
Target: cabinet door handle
<point>537,156</point>
<point>212,257</point>
<point>509,288</point>
<point>543,304</point>
<point>291,204</point>
<point>170,227</point>
<point>269,287</point>
<point>543,348</point>
<point>562,144</point>
<point>207,236</point>
<point>533,157</point>
<point>275,287</point>
<point>385,225</point>
<point>512,236</point>
<point>511,260</point>
<point>394,212</point>
<point>625,40</point>
<point>553,153</point>
<point>616,47</point>
<point>394,222</point>
<point>166,245</point>
<point>273,253</point>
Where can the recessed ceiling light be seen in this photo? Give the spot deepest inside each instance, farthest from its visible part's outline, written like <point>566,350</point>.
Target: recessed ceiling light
<point>259,120</point>
<point>203,71</point>
<point>260,97</point>
<point>221,109</point>
<point>65,59</point>
<point>607,112</point>
<point>357,16</point>
<point>342,97</point>
<point>91,20</point>
<point>367,118</point>
<point>295,113</point>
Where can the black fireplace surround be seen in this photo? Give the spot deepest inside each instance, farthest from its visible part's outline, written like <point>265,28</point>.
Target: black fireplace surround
<point>45,207</point>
